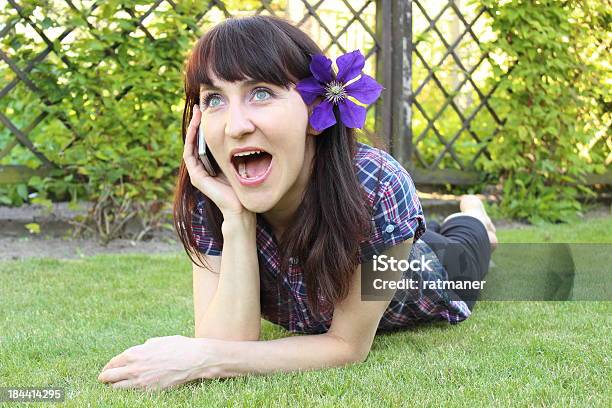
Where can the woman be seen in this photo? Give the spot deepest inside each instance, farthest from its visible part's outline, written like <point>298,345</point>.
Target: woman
<point>294,216</point>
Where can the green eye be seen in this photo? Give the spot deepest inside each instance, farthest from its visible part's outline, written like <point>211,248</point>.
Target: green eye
<point>260,94</point>
<point>211,103</point>
<point>206,102</point>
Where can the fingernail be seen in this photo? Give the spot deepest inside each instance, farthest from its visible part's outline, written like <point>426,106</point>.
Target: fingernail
<point>195,107</point>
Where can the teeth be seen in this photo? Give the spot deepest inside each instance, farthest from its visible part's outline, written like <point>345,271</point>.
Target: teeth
<point>247,153</point>
<point>242,170</point>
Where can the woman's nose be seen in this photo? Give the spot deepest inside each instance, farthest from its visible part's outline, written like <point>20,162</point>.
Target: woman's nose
<point>238,122</point>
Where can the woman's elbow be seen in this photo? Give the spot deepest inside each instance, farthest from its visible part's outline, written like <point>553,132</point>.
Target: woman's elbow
<point>353,353</point>
<point>360,355</point>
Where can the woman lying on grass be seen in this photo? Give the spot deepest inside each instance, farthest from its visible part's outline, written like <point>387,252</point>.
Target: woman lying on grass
<point>294,216</point>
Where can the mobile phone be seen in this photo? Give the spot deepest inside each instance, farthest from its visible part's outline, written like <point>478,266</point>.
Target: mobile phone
<point>204,153</point>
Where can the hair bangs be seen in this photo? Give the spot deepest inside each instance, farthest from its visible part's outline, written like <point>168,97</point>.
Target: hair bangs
<point>241,49</point>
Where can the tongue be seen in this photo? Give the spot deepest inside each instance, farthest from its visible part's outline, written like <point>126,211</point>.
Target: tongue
<point>256,166</point>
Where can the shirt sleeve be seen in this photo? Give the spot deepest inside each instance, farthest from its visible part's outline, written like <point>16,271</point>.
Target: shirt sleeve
<point>397,216</point>
<point>205,242</point>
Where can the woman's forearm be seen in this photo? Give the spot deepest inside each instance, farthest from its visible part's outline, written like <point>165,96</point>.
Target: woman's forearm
<point>298,353</point>
<point>234,311</point>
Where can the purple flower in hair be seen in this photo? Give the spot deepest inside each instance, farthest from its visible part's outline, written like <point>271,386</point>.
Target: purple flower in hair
<point>335,92</point>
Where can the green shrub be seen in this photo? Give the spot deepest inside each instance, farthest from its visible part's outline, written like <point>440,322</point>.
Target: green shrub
<point>114,102</point>
<point>550,98</point>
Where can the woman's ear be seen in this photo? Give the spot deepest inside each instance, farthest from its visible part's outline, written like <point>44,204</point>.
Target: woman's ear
<point>311,131</point>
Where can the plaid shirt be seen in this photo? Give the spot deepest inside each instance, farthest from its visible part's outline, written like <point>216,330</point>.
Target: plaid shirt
<point>397,217</point>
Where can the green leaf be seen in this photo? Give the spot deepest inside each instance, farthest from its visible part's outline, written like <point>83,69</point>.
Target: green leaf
<point>46,23</point>
<point>33,228</point>
<point>22,190</point>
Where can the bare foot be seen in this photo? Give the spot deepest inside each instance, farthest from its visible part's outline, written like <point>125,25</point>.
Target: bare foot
<point>472,205</point>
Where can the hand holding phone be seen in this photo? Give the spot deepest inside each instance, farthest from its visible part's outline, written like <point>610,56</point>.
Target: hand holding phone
<point>204,153</point>
<point>199,163</point>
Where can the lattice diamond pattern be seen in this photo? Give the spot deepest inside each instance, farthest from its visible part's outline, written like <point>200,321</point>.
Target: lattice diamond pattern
<point>447,56</point>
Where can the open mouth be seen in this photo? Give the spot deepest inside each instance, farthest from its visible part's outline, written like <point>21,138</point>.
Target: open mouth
<point>252,165</point>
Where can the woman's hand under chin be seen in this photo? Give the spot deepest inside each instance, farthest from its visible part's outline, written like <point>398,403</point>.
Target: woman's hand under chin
<point>159,363</point>
<point>217,188</point>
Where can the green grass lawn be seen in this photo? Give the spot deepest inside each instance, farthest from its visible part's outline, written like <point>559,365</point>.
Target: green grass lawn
<point>63,320</point>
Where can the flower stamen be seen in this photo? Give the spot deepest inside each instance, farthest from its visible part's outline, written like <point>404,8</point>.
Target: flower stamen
<point>335,92</point>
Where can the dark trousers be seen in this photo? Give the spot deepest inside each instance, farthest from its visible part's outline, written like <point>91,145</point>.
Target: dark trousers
<point>462,246</point>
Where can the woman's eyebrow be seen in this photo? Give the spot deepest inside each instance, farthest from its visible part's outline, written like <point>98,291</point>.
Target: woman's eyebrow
<point>245,83</point>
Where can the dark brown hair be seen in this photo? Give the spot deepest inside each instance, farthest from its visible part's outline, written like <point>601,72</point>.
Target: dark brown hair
<point>334,216</point>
